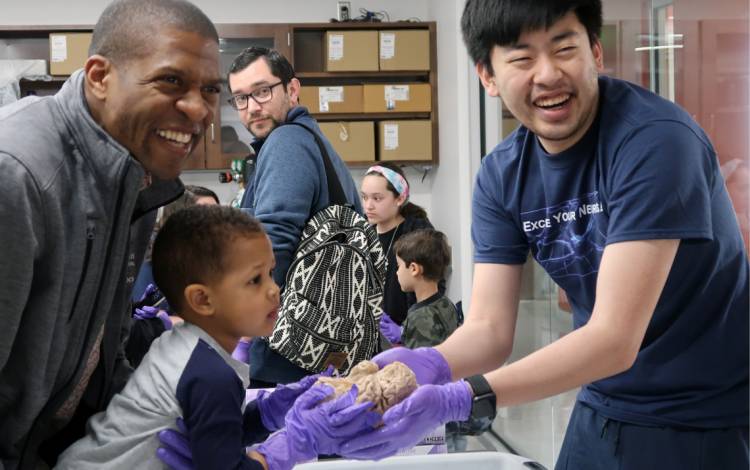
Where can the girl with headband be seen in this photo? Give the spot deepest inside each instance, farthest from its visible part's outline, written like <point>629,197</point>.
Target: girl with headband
<point>385,199</point>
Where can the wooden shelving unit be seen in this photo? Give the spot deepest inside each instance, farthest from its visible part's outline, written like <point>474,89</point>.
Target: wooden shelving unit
<point>308,53</point>
<point>302,43</point>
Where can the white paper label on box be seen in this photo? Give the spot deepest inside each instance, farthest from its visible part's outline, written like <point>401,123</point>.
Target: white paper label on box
<point>58,48</point>
<point>396,93</point>
<point>390,136</point>
<point>387,45</point>
<point>329,94</point>
<point>335,46</point>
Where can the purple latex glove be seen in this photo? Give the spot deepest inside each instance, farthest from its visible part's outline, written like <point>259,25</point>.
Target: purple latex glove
<point>428,364</point>
<point>175,448</point>
<point>147,312</point>
<point>313,429</point>
<point>390,329</point>
<point>242,351</point>
<point>275,405</point>
<point>150,290</point>
<point>406,424</point>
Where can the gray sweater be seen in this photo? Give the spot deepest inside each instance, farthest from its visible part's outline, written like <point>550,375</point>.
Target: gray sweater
<point>75,224</point>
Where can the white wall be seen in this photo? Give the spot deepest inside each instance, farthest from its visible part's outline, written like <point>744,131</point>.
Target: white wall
<point>445,191</point>
<point>459,144</point>
<point>31,12</point>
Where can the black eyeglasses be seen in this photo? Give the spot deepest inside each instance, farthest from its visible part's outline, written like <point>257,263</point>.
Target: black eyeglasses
<point>262,95</point>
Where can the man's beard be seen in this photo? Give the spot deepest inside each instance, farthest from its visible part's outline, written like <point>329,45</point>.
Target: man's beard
<point>267,131</point>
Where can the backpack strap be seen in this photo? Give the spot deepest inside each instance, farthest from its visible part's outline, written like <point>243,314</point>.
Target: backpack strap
<point>336,194</point>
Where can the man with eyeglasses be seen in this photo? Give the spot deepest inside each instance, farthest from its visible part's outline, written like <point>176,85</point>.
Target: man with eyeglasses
<point>289,182</point>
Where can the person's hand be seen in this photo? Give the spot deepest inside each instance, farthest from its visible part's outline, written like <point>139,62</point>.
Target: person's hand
<point>275,405</point>
<point>313,428</point>
<point>406,424</point>
<point>150,295</point>
<point>428,364</point>
<point>390,329</point>
<point>147,312</point>
<point>242,350</point>
<point>174,450</point>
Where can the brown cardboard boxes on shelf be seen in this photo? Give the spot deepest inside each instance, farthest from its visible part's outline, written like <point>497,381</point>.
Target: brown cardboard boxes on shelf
<point>405,140</point>
<point>351,51</point>
<point>403,97</point>
<point>68,52</point>
<point>332,99</point>
<point>353,141</point>
<point>406,49</point>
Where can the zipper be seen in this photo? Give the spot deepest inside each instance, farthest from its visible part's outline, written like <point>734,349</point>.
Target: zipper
<point>314,334</point>
<point>90,235</point>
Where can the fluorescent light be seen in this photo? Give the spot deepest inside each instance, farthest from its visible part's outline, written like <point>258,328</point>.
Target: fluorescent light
<point>653,48</point>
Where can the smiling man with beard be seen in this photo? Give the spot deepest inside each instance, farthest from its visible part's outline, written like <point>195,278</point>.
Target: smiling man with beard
<point>289,182</point>
<point>82,174</point>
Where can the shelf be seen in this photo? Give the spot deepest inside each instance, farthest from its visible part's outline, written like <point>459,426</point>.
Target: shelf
<point>426,163</point>
<point>368,116</point>
<point>374,74</point>
<point>33,31</point>
<point>51,82</point>
<point>359,25</point>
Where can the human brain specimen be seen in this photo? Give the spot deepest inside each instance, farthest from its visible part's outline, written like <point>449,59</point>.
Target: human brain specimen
<point>384,387</point>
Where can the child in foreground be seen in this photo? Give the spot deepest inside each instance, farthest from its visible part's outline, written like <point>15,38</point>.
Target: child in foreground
<point>214,266</point>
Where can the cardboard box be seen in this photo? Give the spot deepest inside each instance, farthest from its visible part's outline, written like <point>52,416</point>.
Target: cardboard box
<point>68,52</point>
<point>405,49</point>
<point>351,51</point>
<point>353,141</point>
<point>332,99</point>
<point>397,98</point>
<point>405,140</point>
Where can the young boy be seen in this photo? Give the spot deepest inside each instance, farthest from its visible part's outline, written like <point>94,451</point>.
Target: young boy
<point>214,265</point>
<point>422,257</point>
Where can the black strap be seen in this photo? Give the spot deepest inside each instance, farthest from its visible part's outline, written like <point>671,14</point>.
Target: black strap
<point>336,194</point>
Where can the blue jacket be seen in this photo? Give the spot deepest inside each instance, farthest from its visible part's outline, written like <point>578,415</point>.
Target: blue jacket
<point>289,185</point>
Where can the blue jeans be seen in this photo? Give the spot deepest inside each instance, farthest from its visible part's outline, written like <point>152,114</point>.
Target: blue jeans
<point>594,442</point>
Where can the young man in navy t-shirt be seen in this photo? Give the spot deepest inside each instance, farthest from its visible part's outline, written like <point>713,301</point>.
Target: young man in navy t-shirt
<point>617,194</point>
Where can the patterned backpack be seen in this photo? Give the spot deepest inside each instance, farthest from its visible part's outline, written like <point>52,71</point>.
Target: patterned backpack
<point>332,302</point>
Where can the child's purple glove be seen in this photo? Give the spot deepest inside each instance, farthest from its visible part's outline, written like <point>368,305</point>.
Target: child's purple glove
<point>242,350</point>
<point>150,290</point>
<point>147,312</point>
<point>275,405</point>
<point>390,329</point>
<point>428,364</point>
<point>313,428</point>
<point>408,422</point>
<point>175,449</point>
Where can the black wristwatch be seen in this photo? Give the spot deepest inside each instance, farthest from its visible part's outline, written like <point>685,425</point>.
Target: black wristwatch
<point>484,403</point>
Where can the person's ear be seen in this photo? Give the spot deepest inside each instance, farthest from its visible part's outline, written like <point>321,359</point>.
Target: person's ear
<point>598,52</point>
<point>98,72</point>
<point>293,89</point>
<point>198,298</point>
<point>400,200</point>
<point>487,77</point>
<point>415,269</point>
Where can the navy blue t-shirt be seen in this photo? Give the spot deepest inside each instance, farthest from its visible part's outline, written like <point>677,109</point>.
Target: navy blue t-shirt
<point>644,170</point>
